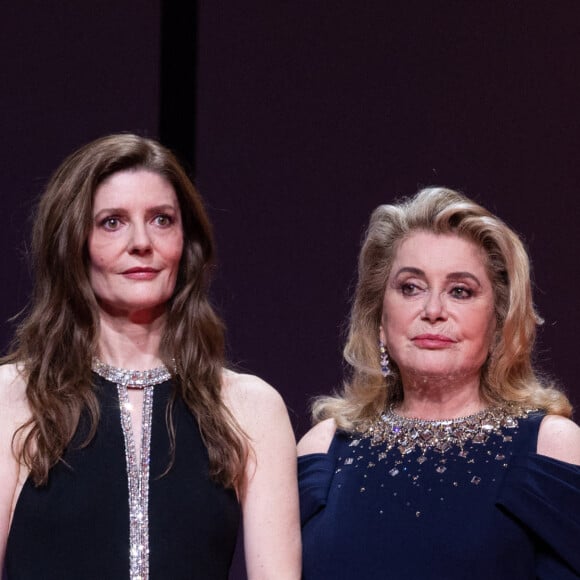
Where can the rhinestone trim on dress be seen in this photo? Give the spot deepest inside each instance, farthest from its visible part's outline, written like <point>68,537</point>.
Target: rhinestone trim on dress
<point>407,434</point>
<point>129,378</point>
<point>138,483</point>
<point>137,467</point>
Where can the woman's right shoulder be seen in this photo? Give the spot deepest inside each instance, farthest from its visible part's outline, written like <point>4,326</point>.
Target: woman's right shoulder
<point>318,439</point>
<point>13,399</point>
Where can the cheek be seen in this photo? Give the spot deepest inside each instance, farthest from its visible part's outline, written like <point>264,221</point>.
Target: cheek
<point>481,322</point>
<point>176,246</point>
<point>396,323</point>
<point>490,335</point>
<point>480,331</point>
<point>100,252</point>
<point>174,253</point>
<point>99,259</point>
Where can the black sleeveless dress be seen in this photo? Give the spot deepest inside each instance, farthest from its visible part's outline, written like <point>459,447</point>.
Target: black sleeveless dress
<point>77,526</point>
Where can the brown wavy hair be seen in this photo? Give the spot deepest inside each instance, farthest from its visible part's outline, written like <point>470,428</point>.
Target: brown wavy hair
<point>56,340</point>
<point>507,375</point>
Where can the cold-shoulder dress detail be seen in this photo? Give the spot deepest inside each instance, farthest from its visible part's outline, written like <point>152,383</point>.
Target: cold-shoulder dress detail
<point>490,508</point>
<point>78,525</point>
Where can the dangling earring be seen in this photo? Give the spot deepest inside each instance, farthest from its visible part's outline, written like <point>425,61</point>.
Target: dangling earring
<point>384,359</point>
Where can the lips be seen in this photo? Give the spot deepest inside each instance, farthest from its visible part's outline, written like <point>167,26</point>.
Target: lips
<point>433,341</point>
<point>140,273</point>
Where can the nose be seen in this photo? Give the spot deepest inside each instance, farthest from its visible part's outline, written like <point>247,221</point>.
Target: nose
<point>434,308</point>
<point>140,240</point>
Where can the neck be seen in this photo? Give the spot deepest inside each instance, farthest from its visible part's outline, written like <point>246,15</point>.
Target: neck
<point>127,344</point>
<point>440,397</point>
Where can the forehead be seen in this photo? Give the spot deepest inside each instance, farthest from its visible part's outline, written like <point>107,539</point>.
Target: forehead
<point>440,253</point>
<point>134,186</point>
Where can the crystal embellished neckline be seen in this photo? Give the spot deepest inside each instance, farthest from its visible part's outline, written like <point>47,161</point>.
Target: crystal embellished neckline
<point>408,434</point>
<point>131,379</point>
<point>137,464</point>
<point>390,412</point>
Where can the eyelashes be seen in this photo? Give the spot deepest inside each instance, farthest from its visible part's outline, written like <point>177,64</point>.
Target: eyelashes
<point>458,291</point>
<point>113,222</point>
<point>110,223</point>
<point>461,292</point>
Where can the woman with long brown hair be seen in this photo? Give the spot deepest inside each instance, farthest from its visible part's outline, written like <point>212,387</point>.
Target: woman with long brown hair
<point>126,447</point>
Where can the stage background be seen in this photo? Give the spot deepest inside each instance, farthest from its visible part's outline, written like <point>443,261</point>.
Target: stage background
<point>297,119</point>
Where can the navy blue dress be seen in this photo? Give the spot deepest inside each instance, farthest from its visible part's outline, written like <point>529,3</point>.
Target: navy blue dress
<point>489,511</point>
<point>77,526</point>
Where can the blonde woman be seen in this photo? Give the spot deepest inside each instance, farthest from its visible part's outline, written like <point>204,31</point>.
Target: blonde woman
<point>445,456</point>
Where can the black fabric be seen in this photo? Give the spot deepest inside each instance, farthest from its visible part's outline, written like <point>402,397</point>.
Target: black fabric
<point>77,527</point>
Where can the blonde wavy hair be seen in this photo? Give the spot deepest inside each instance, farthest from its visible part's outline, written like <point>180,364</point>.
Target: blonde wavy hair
<point>507,375</point>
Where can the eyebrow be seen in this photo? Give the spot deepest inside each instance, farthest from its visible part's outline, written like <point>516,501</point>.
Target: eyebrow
<point>121,210</point>
<point>450,276</point>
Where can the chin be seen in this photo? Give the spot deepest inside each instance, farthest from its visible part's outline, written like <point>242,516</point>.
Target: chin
<point>147,309</point>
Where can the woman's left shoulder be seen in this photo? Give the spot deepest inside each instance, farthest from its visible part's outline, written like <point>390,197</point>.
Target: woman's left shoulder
<point>559,438</point>
<point>251,399</point>
<point>269,494</point>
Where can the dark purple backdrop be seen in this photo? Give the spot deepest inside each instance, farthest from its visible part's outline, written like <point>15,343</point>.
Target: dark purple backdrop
<point>70,72</point>
<point>309,114</point>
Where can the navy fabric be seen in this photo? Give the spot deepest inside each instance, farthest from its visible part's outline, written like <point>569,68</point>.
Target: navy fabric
<point>78,525</point>
<point>496,511</point>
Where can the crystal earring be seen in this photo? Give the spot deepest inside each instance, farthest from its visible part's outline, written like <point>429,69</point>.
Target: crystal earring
<point>384,359</point>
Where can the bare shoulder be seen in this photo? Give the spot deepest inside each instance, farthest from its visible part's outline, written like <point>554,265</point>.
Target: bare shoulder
<point>318,439</point>
<point>251,399</point>
<point>14,409</point>
<point>12,389</point>
<point>241,390</point>
<point>559,438</point>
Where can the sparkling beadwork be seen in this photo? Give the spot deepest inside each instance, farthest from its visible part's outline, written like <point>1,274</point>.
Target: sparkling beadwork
<point>137,466</point>
<point>407,434</point>
<point>131,378</point>
<point>138,483</point>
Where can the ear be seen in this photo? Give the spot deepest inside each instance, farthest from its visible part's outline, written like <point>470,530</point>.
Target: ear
<point>382,333</point>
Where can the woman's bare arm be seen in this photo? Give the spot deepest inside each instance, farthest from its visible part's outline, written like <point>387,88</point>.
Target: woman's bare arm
<point>13,413</point>
<point>270,499</point>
